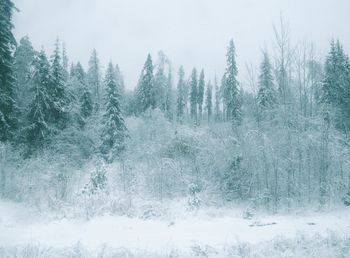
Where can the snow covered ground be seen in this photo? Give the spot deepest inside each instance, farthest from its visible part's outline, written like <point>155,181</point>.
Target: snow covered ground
<point>20,226</point>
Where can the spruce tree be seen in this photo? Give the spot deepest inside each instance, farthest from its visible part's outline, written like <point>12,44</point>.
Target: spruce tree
<point>94,78</point>
<point>145,91</point>
<point>266,91</point>
<point>114,132</point>
<point>209,100</point>
<point>230,90</point>
<point>336,84</point>
<point>65,62</point>
<point>8,107</point>
<point>86,102</point>
<point>58,91</point>
<point>160,82</point>
<point>193,95</point>
<point>168,102</point>
<point>217,100</point>
<point>120,80</point>
<point>23,66</point>
<point>38,127</point>
<point>200,95</point>
<point>86,105</point>
<point>180,101</point>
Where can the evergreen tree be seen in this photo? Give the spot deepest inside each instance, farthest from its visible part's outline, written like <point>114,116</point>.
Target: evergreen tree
<point>168,102</point>
<point>209,100</point>
<point>114,130</point>
<point>58,91</point>
<point>8,108</point>
<point>94,78</point>
<point>86,102</point>
<point>23,67</point>
<point>38,127</point>
<point>121,87</point>
<point>200,95</point>
<point>145,91</point>
<point>193,95</point>
<point>336,84</point>
<point>65,62</point>
<point>120,80</point>
<point>231,91</point>
<point>217,100</point>
<point>266,91</point>
<point>79,73</point>
<point>77,80</point>
<point>160,82</point>
<point>181,95</point>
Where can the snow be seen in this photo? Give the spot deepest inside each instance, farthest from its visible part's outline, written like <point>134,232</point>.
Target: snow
<point>20,225</point>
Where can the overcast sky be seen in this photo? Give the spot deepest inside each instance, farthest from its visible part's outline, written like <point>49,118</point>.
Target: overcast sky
<point>190,32</point>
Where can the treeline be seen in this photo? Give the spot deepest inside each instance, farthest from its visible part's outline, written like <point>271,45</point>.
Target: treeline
<point>288,136</point>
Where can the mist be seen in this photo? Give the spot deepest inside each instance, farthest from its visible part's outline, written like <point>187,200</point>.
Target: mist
<point>191,33</point>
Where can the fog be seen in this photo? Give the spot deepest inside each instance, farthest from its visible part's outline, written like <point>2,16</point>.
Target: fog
<point>192,33</point>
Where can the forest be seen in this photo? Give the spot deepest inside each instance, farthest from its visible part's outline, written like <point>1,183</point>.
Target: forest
<point>77,142</point>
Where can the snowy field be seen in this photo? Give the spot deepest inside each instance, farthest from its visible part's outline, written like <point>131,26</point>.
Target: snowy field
<point>191,235</point>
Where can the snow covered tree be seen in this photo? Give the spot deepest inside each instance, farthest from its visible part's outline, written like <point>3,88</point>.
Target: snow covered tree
<point>65,62</point>
<point>160,81</point>
<point>217,101</point>
<point>8,107</point>
<point>121,86</point>
<point>58,91</point>
<point>86,102</point>
<point>145,91</point>
<point>336,84</point>
<point>230,88</point>
<point>200,94</point>
<point>120,80</point>
<point>209,100</point>
<point>114,132</point>
<point>94,78</point>
<point>23,67</point>
<point>266,91</point>
<point>284,59</point>
<point>168,102</point>
<point>193,95</point>
<point>181,95</point>
<point>38,127</point>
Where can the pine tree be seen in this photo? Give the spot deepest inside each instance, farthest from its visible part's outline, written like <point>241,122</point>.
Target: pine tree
<point>120,80</point>
<point>209,100</point>
<point>160,82</point>
<point>180,101</point>
<point>193,95</point>
<point>38,127</point>
<point>114,131</point>
<point>168,102</point>
<point>23,66</point>
<point>86,102</point>
<point>121,87</point>
<point>266,91</point>
<point>336,84</point>
<point>8,107</point>
<point>145,91</point>
<point>94,78</point>
<point>65,62</point>
<point>58,91</point>
<point>217,101</point>
<point>200,95</point>
<point>231,91</point>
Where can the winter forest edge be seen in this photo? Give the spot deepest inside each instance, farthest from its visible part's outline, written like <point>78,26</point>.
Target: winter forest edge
<point>76,143</point>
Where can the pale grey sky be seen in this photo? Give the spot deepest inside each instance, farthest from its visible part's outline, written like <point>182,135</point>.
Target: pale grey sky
<point>190,32</point>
